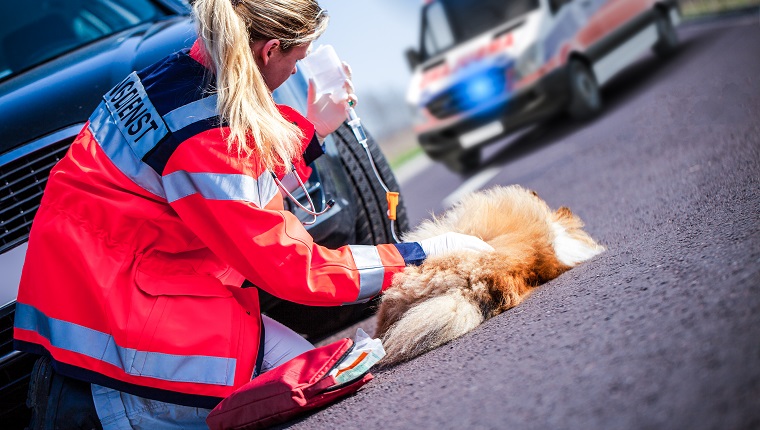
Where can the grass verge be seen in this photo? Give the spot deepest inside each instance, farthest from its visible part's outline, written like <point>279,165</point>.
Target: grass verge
<point>701,8</point>
<point>405,156</point>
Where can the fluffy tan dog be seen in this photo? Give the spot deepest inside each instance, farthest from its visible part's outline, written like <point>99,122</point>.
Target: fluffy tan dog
<point>449,295</point>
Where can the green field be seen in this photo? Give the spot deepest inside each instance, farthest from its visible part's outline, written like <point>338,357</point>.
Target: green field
<point>699,8</point>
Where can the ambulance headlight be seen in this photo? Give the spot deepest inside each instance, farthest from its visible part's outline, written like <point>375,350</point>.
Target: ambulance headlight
<point>529,62</point>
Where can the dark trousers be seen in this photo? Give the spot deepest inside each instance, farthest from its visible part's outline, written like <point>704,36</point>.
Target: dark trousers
<point>58,402</point>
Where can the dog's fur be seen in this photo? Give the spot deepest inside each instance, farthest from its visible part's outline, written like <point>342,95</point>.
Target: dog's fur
<point>449,295</point>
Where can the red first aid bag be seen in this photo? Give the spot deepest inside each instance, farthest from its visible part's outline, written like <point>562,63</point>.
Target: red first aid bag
<point>289,389</point>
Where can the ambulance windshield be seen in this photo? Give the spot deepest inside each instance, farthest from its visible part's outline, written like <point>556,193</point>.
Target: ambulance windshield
<point>446,23</point>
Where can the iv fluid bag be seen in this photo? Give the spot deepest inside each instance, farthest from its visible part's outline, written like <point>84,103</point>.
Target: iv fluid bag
<point>326,70</point>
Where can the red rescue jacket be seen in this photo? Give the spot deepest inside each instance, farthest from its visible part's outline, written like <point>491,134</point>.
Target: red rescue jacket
<point>146,231</point>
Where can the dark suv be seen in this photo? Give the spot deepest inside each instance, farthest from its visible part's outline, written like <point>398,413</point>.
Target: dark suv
<point>57,58</point>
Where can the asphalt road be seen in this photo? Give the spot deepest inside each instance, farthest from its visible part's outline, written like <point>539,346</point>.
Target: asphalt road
<point>660,332</point>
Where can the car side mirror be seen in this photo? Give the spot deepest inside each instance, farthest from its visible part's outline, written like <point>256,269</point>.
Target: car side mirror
<point>412,58</point>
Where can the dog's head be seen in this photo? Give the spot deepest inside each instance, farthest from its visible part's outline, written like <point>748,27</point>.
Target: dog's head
<point>505,216</point>
<point>571,244</point>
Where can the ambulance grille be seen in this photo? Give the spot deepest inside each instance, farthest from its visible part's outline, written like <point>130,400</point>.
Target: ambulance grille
<point>444,106</point>
<point>22,181</point>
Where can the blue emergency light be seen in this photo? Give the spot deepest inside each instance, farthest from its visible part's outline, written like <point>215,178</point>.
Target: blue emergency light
<point>482,87</point>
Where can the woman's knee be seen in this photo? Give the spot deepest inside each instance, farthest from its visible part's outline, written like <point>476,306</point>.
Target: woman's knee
<point>281,344</point>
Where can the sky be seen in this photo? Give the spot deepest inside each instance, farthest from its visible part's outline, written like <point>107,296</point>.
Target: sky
<point>372,35</point>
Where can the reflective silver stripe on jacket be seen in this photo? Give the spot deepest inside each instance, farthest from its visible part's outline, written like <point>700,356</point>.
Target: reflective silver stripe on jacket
<point>191,113</point>
<point>134,115</point>
<point>101,346</point>
<point>127,126</point>
<point>219,186</point>
<point>371,271</point>
<point>117,149</point>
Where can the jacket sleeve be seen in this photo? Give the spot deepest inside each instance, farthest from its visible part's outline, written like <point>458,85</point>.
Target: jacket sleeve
<point>237,212</point>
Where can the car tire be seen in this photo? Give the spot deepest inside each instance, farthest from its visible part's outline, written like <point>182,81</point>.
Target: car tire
<point>463,162</point>
<point>372,228</point>
<point>372,225</point>
<point>585,95</point>
<point>667,40</point>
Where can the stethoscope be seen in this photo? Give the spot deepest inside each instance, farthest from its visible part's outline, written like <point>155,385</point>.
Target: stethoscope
<point>355,123</point>
<point>312,209</point>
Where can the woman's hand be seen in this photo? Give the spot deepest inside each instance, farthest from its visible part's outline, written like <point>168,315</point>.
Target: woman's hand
<point>325,113</point>
<point>448,242</point>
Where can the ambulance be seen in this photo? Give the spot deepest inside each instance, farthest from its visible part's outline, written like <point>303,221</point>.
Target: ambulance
<point>486,68</point>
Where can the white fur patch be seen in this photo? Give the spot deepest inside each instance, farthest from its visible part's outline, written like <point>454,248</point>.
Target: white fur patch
<point>572,251</point>
<point>429,325</point>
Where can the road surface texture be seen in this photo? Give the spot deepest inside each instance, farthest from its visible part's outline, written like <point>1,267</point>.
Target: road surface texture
<point>662,331</point>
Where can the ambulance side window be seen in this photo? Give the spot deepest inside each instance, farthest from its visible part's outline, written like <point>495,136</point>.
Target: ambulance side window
<point>556,5</point>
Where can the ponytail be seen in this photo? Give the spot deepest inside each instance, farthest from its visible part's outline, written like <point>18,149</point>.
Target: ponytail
<point>245,103</point>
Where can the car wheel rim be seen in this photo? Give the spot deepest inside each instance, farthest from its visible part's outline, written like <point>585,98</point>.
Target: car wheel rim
<point>587,89</point>
<point>667,32</point>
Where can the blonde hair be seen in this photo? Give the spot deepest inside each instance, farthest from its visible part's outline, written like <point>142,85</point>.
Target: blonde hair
<point>227,28</point>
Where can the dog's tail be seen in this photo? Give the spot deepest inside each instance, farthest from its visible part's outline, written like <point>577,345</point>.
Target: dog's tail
<point>429,325</point>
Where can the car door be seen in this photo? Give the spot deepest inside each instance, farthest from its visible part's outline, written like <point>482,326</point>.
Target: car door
<point>573,26</point>
<point>616,13</point>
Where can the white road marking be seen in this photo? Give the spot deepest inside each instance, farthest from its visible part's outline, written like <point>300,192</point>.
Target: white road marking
<point>472,184</point>
<point>412,168</point>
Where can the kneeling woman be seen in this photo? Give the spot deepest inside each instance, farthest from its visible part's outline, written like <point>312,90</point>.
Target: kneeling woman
<point>162,207</point>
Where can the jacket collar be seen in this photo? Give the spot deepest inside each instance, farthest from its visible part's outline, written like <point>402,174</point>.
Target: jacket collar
<point>198,53</point>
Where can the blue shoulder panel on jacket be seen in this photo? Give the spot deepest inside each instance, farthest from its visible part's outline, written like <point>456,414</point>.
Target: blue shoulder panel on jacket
<point>179,87</point>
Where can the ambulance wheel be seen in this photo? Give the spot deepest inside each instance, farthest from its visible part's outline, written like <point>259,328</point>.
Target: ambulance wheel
<point>463,162</point>
<point>585,96</point>
<point>667,41</point>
